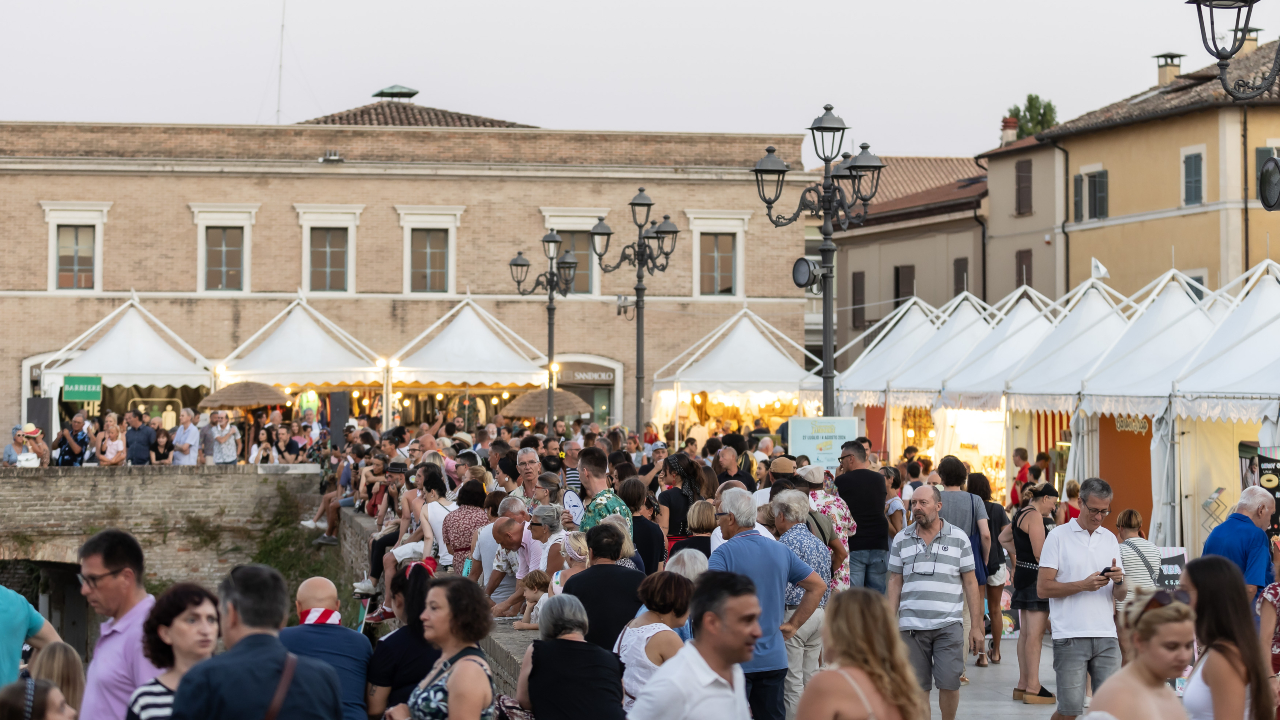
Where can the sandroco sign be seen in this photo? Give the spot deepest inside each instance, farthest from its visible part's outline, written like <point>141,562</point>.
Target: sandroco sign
<point>83,388</point>
<point>1137,425</point>
<point>578,373</point>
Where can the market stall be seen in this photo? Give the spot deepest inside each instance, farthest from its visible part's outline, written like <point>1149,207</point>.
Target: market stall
<point>740,371</point>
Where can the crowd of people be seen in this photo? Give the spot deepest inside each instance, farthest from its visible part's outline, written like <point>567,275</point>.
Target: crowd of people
<point>725,579</point>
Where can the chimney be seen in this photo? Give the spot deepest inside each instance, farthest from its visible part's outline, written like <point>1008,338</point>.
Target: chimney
<point>1250,41</point>
<point>1008,130</point>
<point>1168,67</point>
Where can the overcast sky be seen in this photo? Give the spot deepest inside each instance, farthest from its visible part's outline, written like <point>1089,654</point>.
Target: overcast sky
<point>929,77</point>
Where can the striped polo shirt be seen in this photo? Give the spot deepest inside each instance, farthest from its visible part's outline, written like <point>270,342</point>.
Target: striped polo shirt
<point>932,588</point>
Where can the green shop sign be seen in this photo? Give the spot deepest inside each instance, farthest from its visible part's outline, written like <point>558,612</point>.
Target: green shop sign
<point>82,388</point>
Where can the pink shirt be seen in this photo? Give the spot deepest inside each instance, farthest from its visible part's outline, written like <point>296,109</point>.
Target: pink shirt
<point>118,666</point>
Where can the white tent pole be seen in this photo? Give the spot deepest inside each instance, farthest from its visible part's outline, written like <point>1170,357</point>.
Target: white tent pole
<point>261,330</point>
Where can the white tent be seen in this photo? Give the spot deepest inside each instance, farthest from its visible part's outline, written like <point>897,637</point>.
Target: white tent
<point>897,336</point>
<point>965,322</point>
<point>305,348</point>
<point>978,383</point>
<point>474,350</point>
<point>130,353</point>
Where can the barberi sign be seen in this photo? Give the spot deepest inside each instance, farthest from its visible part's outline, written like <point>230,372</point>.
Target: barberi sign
<point>1136,425</point>
<point>579,373</point>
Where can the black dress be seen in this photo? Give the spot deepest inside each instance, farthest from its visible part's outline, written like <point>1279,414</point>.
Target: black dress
<point>677,512</point>
<point>701,543</point>
<point>1027,570</point>
<point>572,680</point>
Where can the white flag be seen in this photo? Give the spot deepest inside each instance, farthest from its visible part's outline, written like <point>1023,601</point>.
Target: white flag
<point>1099,270</point>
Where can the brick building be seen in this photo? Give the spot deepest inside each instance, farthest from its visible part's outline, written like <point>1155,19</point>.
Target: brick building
<point>385,217</point>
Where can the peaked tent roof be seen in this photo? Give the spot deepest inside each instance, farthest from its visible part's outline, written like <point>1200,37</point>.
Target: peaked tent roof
<point>474,349</point>
<point>1048,380</point>
<point>921,376</point>
<point>306,348</point>
<point>742,355</point>
<point>1136,374</point>
<point>978,384</point>
<point>897,336</point>
<point>130,353</point>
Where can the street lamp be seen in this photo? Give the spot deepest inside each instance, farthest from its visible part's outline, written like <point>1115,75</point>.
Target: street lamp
<point>1235,13</point>
<point>854,180</point>
<point>557,279</point>
<point>650,253</point>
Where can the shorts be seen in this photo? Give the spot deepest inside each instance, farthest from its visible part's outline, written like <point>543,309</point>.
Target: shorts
<point>1027,599</point>
<point>937,656</point>
<point>1076,658</point>
<point>347,502</point>
<point>408,551</point>
<point>1000,578</point>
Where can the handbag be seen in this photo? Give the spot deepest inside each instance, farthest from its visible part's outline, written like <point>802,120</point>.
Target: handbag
<point>975,544</point>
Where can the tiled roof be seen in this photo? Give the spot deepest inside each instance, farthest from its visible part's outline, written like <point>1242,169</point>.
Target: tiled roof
<point>1190,92</point>
<point>904,176</point>
<point>403,114</point>
<point>944,198</point>
<point>1024,143</point>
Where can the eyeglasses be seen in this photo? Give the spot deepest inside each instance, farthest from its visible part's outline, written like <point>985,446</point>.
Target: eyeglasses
<point>92,580</point>
<point>845,457</point>
<point>528,464</point>
<point>1100,512</point>
<point>537,524</point>
<point>1161,599</point>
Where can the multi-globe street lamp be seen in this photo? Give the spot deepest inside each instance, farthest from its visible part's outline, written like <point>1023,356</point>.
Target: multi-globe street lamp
<point>557,279</point>
<point>854,180</point>
<point>649,253</point>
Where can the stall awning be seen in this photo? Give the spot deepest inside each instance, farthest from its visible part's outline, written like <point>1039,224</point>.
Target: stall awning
<point>474,350</point>
<point>305,348</point>
<point>1049,379</point>
<point>1136,375</point>
<point>978,383</point>
<point>897,336</point>
<point>743,355</point>
<point>130,353</point>
<point>922,373</point>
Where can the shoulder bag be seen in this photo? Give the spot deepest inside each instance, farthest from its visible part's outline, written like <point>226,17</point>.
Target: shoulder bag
<point>282,689</point>
<point>1136,551</point>
<point>975,544</point>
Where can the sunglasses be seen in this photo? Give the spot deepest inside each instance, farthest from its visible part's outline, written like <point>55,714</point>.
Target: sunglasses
<point>1161,599</point>
<point>537,524</point>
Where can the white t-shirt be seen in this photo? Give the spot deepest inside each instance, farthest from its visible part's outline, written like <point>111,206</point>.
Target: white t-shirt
<point>761,496</point>
<point>685,687</point>
<point>436,514</point>
<point>1076,554</point>
<point>717,537</point>
<point>485,553</point>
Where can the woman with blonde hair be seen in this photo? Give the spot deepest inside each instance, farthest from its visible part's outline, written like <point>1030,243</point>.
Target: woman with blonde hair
<point>1160,626</point>
<point>574,550</point>
<point>59,663</point>
<point>871,675</point>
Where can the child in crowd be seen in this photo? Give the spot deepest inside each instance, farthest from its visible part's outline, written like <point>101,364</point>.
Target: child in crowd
<point>535,584</point>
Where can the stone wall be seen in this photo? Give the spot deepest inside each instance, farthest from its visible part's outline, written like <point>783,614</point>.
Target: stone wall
<point>193,522</point>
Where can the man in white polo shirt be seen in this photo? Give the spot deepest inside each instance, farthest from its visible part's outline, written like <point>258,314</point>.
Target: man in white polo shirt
<point>1080,578</point>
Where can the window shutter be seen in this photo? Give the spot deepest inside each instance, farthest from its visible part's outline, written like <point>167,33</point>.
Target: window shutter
<point>859,300</point>
<point>1022,183</point>
<point>1191,168</point>
<point>1102,194</point>
<point>1260,156</point>
<point>960,275</point>
<point>1078,188</point>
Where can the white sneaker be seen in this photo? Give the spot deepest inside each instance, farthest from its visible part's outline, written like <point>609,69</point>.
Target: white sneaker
<point>364,587</point>
<point>309,524</point>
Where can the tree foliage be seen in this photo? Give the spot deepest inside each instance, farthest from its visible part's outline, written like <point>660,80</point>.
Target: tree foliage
<point>1034,117</point>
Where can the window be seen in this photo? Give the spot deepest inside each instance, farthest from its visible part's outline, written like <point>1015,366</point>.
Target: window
<point>428,260</point>
<point>904,283</point>
<point>810,363</point>
<point>1192,180</point>
<point>859,301</point>
<point>717,264</point>
<point>224,258</point>
<point>959,275</point>
<point>329,259</point>
<point>1260,156</point>
<point>1022,187</point>
<point>75,257</point>
<point>1022,265</point>
<point>1091,195</point>
<point>578,242</point>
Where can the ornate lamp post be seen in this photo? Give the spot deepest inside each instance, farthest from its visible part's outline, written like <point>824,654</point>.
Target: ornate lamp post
<point>1236,14</point>
<point>649,253</point>
<point>855,180</point>
<point>557,279</point>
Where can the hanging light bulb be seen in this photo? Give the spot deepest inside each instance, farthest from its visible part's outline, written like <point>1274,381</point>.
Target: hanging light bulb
<point>288,391</point>
<point>911,433</point>
<point>526,423</point>
<point>777,404</point>
<point>505,395</point>
<point>406,403</point>
<point>365,402</point>
<point>355,393</point>
<point>697,399</point>
<point>933,433</point>
<point>439,396</point>
<point>493,400</point>
<point>399,395</point>
<point>288,403</point>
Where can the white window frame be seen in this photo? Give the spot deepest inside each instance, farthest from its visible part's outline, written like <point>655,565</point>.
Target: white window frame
<point>329,216</point>
<point>1202,151</point>
<point>577,219</point>
<point>720,222</point>
<point>207,215</point>
<point>431,217</point>
<point>75,212</point>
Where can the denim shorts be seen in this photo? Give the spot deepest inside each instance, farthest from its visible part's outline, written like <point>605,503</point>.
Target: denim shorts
<point>1072,659</point>
<point>347,502</point>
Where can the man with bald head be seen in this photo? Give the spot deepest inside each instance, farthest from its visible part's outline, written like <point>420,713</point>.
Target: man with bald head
<point>717,535</point>
<point>320,635</point>
<point>728,458</point>
<point>514,536</point>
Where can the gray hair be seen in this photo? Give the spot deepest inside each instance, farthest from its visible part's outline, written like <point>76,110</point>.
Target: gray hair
<point>688,563</point>
<point>187,411</point>
<point>792,505</point>
<point>739,503</point>
<point>548,515</point>
<point>526,451</point>
<point>1253,498</point>
<point>511,505</point>
<point>1094,487</point>
<point>258,593</point>
<point>562,614</point>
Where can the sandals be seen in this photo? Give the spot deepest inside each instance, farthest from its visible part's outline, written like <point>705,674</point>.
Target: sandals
<point>1044,697</point>
<point>1018,694</point>
<point>982,660</point>
<point>992,655</point>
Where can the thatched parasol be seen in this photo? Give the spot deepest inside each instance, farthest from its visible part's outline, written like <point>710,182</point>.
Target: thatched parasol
<point>244,395</point>
<point>533,404</point>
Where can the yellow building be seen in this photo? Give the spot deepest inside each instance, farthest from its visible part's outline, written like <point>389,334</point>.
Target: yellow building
<point>1168,178</point>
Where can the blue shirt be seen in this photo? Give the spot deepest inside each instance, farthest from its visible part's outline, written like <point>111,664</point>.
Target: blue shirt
<point>814,554</point>
<point>138,442</point>
<point>344,649</point>
<point>18,621</point>
<point>1245,544</point>
<point>770,565</point>
<point>239,685</point>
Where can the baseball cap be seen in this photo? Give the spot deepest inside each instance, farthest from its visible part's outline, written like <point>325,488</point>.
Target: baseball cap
<point>398,466</point>
<point>782,466</point>
<point>659,446</point>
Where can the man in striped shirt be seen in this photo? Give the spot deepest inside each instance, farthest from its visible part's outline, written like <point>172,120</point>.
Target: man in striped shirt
<point>930,573</point>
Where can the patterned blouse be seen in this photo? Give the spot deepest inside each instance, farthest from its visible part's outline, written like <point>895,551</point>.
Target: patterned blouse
<point>603,505</point>
<point>1271,595</point>
<point>830,504</point>
<point>431,702</point>
<point>460,525</point>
